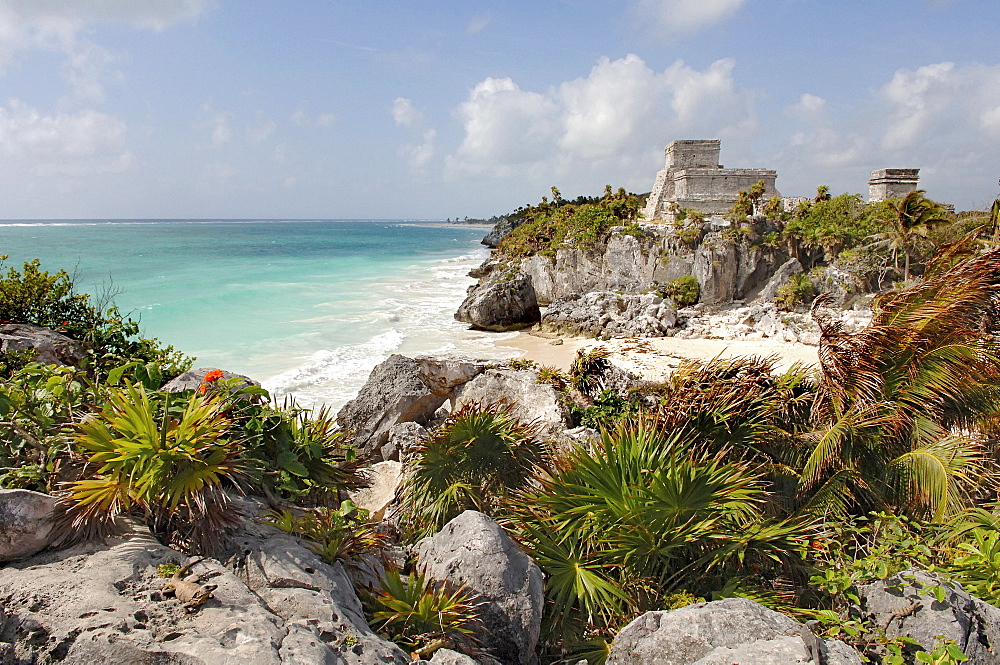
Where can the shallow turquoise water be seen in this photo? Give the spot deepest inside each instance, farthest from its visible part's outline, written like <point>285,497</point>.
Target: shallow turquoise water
<point>308,307</point>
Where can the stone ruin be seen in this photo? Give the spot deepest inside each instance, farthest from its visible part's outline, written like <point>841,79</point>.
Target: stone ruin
<point>694,179</point>
<point>892,184</point>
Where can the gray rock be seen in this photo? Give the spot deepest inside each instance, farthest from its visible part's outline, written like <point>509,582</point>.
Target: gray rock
<point>404,438</point>
<point>474,550</point>
<point>48,346</point>
<point>504,300</point>
<point>780,277</point>
<point>972,623</point>
<point>26,523</point>
<point>442,374</point>
<point>779,651</point>
<point>395,392</point>
<point>449,657</point>
<point>606,315</point>
<point>193,378</point>
<point>737,629</point>
<point>500,231</point>
<point>106,604</point>
<point>531,401</point>
<point>383,479</point>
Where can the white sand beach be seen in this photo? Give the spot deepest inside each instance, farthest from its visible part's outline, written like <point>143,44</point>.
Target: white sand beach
<point>654,358</point>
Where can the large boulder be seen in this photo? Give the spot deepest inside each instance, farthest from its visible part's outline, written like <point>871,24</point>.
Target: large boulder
<point>106,604</point>
<point>47,345</point>
<point>734,631</point>
<point>26,523</point>
<point>395,393</point>
<point>404,440</point>
<point>504,300</point>
<point>474,550</point>
<point>902,605</point>
<point>531,401</point>
<point>606,315</point>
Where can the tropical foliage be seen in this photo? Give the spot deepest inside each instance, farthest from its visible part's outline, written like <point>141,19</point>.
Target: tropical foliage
<point>473,461</point>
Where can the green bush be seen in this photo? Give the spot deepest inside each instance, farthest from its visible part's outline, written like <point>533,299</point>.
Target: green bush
<point>473,461</point>
<point>797,291</point>
<point>32,295</point>
<point>684,291</point>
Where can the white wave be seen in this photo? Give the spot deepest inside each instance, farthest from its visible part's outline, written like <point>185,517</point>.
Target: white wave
<point>334,375</point>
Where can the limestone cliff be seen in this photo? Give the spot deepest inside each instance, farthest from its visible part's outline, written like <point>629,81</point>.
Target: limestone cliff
<point>730,263</point>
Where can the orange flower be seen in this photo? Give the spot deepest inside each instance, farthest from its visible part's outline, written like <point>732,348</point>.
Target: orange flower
<point>214,375</point>
<point>202,388</point>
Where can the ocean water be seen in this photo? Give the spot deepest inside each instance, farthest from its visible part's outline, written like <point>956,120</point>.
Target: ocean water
<point>305,307</point>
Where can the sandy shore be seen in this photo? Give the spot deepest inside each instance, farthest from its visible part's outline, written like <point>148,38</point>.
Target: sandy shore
<point>654,358</point>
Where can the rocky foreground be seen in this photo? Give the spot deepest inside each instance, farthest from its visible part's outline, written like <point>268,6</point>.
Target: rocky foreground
<point>275,601</point>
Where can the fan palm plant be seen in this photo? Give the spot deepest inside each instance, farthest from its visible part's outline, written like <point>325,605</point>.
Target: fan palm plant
<point>905,401</point>
<point>472,461</point>
<point>168,464</point>
<point>648,508</point>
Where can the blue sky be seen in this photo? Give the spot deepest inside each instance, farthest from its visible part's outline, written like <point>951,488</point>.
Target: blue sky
<point>434,109</point>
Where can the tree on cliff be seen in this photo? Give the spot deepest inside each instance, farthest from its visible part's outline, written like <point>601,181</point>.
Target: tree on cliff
<point>910,218</point>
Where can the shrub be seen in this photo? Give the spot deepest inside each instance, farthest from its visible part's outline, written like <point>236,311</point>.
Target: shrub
<point>646,509</point>
<point>797,291</point>
<point>167,463</point>
<point>341,534</point>
<point>423,615</point>
<point>472,461</point>
<point>684,291</point>
<point>32,295</point>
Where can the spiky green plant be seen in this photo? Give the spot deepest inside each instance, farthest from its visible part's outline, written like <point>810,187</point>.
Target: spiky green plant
<point>648,507</point>
<point>424,615</point>
<point>336,534</point>
<point>168,465</point>
<point>477,457</point>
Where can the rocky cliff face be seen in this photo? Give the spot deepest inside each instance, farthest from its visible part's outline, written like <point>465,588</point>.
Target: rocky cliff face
<point>729,264</point>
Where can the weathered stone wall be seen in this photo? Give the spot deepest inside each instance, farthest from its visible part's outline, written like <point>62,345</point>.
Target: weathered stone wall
<point>892,183</point>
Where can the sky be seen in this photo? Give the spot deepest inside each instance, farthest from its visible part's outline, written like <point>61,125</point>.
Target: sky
<point>431,109</point>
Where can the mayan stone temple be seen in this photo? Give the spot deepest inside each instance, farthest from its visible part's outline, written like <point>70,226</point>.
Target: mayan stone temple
<point>892,183</point>
<point>693,178</point>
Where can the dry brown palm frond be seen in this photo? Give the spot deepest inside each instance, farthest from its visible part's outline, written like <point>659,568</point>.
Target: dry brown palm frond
<point>894,395</point>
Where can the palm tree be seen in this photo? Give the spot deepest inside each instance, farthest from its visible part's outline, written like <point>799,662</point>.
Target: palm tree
<point>906,401</point>
<point>912,216</point>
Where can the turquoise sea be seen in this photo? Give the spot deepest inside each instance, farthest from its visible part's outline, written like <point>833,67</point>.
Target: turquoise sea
<point>307,307</point>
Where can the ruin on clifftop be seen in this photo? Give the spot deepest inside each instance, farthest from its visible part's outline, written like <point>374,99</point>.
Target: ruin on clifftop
<point>892,184</point>
<point>693,178</point>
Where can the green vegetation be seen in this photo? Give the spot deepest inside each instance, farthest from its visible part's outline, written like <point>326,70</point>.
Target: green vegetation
<point>423,615</point>
<point>552,226</point>
<point>727,479</point>
<point>799,290</point>
<point>473,461</point>
<point>32,295</point>
<point>684,291</point>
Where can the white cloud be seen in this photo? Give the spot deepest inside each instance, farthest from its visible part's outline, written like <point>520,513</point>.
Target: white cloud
<point>261,131</point>
<point>78,143</point>
<point>677,17</point>
<point>419,156</point>
<point>916,99</point>
<point>302,119</point>
<point>403,112</point>
<point>621,111</point>
<point>477,25</point>
<point>56,25</point>
<point>942,118</point>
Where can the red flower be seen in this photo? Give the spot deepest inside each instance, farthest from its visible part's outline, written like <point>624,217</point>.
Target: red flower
<point>214,375</point>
